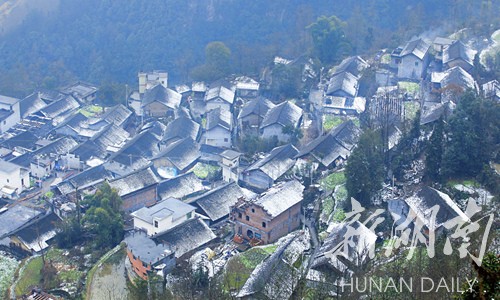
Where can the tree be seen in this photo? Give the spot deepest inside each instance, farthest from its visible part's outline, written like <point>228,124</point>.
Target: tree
<point>329,40</point>
<point>365,168</point>
<point>434,152</point>
<point>217,63</point>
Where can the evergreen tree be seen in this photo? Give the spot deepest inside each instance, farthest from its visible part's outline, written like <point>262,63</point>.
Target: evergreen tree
<point>365,168</point>
<point>434,152</point>
<point>330,42</point>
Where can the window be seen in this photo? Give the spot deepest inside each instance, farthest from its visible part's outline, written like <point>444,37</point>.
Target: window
<point>7,180</point>
<point>239,215</point>
<point>156,224</point>
<point>250,234</point>
<point>226,140</point>
<point>239,230</point>
<point>189,215</point>
<point>253,210</point>
<point>4,122</point>
<point>247,218</point>
<point>263,224</point>
<point>258,236</point>
<point>416,64</point>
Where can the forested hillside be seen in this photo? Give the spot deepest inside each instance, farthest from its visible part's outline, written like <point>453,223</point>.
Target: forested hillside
<point>105,41</point>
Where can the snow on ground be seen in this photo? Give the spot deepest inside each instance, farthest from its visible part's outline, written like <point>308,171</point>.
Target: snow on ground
<point>8,267</point>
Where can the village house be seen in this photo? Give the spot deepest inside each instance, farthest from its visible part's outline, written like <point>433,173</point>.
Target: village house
<point>458,54</point>
<point>84,92</point>
<point>86,181</point>
<point>270,216</point>
<point>252,114</point>
<point>37,236</point>
<point>246,87</point>
<point>216,204</point>
<point>491,90</point>
<point>59,110</point>
<point>10,113</point>
<point>148,80</point>
<point>283,115</point>
<point>180,128</point>
<point>219,97</point>
<point>343,84</point>
<point>181,187</point>
<point>31,104</point>
<point>263,173</point>
<point>137,189</point>
<point>15,217</point>
<point>355,252</point>
<point>230,162</point>
<point>452,83</point>
<point>343,105</point>
<point>420,206</point>
<point>413,59</point>
<point>146,256</point>
<point>354,65</point>
<point>160,101</point>
<point>186,237</point>
<point>177,157</point>
<point>14,179</point>
<point>332,149</point>
<point>218,128</point>
<point>162,216</point>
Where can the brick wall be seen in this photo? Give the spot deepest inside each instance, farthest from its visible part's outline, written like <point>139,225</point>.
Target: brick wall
<point>139,199</point>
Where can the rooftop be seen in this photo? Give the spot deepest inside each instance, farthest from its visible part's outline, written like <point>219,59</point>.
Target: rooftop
<point>164,209</point>
<point>217,202</point>
<point>343,82</point>
<point>220,92</point>
<point>180,187</point>
<point>134,181</point>
<point>277,162</point>
<point>284,114</point>
<point>163,95</point>
<point>259,106</point>
<point>219,117</point>
<point>280,197</point>
<point>145,248</point>
<point>416,47</point>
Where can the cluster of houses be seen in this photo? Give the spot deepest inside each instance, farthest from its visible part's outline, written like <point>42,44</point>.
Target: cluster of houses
<point>147,148</point>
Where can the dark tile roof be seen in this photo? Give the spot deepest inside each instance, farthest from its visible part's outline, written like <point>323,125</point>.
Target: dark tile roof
<point>15,217</point>
<point>283,114</point>
<point>458,50</point>
<point>163,95</point>
<point>58,147</point>
<point>354,65</point>
<point>343,83</point>
<point>117,115</point>
<point>84,179</point>
<point>416,47</point>
<point>180,128</point>
<point>217,202</point>
<point>134,181</point>
<point>31,104</point>
<point>36,235</point>
<point>458,77</point>
<point>259,106</point>
<point>220,92</point>
<point>219,117</point>
<point>80,89</point>
<point>156,127</point>
<point>180,187</point>
<point>60,107</point>
<point>25,139</point>
<point>277,162</point>
<point>145,248</point>
<point>187,236</point>
<point>141,147</point>
<point>230,154</point>
<point>280,197</point>
<point>433,113</point>
<point>182,153</point>
<point>338,143</point>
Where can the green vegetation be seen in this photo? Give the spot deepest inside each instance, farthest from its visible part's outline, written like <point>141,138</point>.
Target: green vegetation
<point>329,40</point>
<point>410,87</point>
<point>7,270</point>
<point>328,206</point>
<point>217,63</point>
<point>386,58</point>
<point>91,110</point>
<point>411,109</point>
<point>339,215</point>
<point>206,171</point>
<point>365,168</point>
<point>49,194</point>
<point>332,180</point>
<point>330,122</point>
<point>30,276</point>
<point>240,267</point>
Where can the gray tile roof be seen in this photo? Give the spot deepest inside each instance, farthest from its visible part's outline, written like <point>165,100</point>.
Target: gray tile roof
<point>37,234</point>
<point>277,162</point>
<point>219,117</point>
<point>141,147</point>
<point>84,179</point>
<point>220,92</point>
<point>187,236</point>
<point>58,147</point>
<point>134,181</point>
<point>343,83</point>
<point>65,105</point>
<point>25,139</point>
<point>180,128</point>
<point>182,153</point>
<point>180,186</point>
<point>80,89</point>
<point>163,95</point>
<point>117,115</point>
<point>15,217</point>
<point>433,113</point>
<point>354,65</point>
<point>144,247</point>
<point>217,202</point>
<point>337,143</point>
<point>458,50</point>
<point>416,47</point>
<point>457,76</point>
<point>31,104</point>
<point>259,106</point>
<point>230,154</point>
<point>280,197</point>
<point>161,210</point>
<point>284,114</point>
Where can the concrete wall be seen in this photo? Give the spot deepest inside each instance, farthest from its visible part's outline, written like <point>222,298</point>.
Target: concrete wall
<point>216,137</point>
<point>275,130</point>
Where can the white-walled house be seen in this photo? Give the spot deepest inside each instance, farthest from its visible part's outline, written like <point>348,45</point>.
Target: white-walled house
<point>218,129</point>
<point>219,96</point>
<point>414,59</point>
<point>230,161</point>
<point>162,216</point>
<point>13,179</point>
<point>10,113</point>
<point>279,117</point>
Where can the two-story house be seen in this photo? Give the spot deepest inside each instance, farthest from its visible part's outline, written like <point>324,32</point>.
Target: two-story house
<point>284,115</point>
<point>10,113</point>
<point>413,60</point>
<point>251,115</point>
<point>162,216</point>
<point>13,179</point>
<point>218,128</point>
<point>160,101</point>
<point>272,215</point>
<point>219,96</point>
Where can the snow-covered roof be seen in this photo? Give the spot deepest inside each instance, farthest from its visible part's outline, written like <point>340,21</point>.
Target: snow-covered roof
<point>280,197</point>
